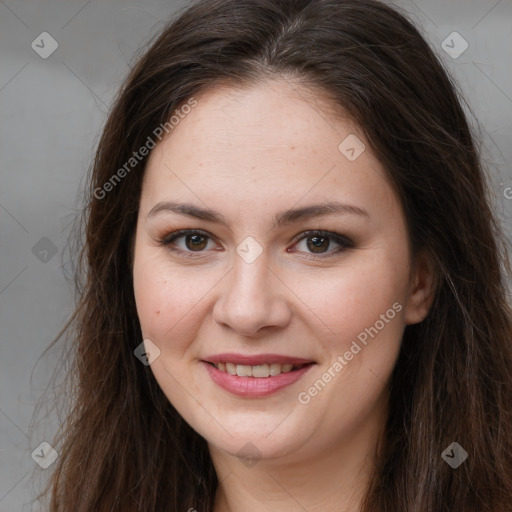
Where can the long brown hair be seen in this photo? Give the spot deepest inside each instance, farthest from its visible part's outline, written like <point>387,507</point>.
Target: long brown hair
<point>123,446</point>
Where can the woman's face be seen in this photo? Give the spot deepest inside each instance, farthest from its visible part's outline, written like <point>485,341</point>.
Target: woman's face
<point>255,283</point>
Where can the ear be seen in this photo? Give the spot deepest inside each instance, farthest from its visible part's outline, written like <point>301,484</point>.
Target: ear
<point>422,288</point>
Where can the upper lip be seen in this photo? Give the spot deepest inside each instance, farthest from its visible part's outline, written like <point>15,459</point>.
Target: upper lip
<point>255,360</point>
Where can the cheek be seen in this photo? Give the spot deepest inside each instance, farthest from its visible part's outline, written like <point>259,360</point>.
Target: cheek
<point>354,297</point>
<point>168,302</point>
<point>364,312</point>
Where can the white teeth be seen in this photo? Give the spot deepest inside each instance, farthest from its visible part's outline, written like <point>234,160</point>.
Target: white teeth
<point>243,370</point>
<point>258,371</point>
<point>261,370</point>
<point>275,369</point>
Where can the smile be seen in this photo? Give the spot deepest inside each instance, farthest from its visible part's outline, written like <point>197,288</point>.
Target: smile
<point>255,381</point>
<point>258,371</point>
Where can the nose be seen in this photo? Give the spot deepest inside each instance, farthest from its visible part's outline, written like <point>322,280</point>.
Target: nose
<point>252,298</point>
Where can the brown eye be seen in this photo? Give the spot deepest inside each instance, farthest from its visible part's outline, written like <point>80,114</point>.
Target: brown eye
<point>321,242</point>
<point>187,241</point>
<point>196,242</point>
<point>318,244</point>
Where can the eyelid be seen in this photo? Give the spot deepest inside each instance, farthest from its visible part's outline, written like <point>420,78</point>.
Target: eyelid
<point>182,232</point>
<point>338,237</point>
<point>167,240</point>
<point>343,242</point>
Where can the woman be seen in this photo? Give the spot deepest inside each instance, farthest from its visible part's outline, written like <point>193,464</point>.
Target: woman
<point>293,282</point>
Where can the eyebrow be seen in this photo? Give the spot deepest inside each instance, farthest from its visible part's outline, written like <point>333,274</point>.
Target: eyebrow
<point>280,219</point>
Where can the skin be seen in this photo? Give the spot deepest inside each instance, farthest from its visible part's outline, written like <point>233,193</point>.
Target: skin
<point>248,154</point>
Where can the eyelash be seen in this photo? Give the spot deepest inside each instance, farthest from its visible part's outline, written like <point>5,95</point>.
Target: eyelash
<point>343,241</point>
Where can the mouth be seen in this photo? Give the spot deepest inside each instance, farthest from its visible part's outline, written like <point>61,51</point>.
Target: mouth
<point>255,376</point>
<point>257,371</point>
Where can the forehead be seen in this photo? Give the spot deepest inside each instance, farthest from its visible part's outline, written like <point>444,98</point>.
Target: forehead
<point>265,117</point>
<point>266,142</point>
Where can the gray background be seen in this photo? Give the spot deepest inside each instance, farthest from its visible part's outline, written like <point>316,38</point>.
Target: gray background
<point>52,111</point>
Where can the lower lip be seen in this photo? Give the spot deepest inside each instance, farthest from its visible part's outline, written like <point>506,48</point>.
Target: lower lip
<point>254,386</point>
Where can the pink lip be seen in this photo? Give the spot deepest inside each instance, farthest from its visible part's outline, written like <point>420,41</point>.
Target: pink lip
<point>256,359</point>
<point>254,386</point>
